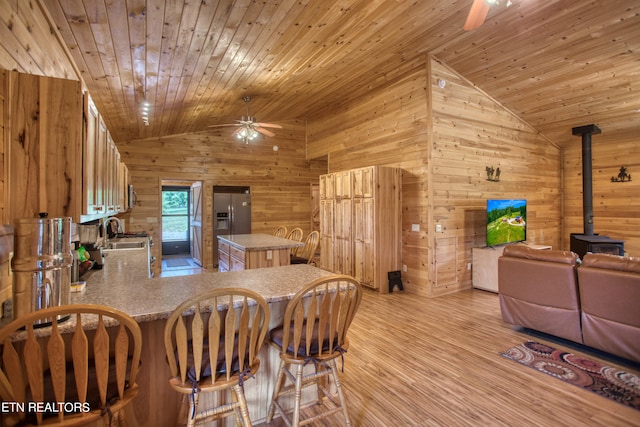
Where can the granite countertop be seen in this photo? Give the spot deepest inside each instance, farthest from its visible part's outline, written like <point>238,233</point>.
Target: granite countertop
<point>148,299</point>
<point>258,241</point>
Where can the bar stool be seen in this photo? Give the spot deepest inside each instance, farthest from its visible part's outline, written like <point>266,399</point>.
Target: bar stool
<point>295,234</point>
<point>93,373</point>
<point>281,231</point>
<point>212,343</point>
<point>305,254</point>
<point>314,332</point>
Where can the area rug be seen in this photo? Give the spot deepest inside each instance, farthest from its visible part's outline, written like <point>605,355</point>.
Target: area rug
<point>612,383</point>
<point>177,262</point>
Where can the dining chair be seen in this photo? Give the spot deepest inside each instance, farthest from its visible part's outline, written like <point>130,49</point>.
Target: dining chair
<point>281,231</point>
<point>305,254</point>
<point>212,343</point>
<point>314,335</point>
<point>295,234</point>
<point>89,365</point>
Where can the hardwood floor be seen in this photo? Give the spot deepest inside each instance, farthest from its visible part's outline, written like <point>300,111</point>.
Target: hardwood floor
<point>417,361</point>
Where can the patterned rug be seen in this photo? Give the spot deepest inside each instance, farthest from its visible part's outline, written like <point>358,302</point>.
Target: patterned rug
<point>612,383</point>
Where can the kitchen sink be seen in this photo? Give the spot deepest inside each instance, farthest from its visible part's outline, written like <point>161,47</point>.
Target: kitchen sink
<point>123,244</point>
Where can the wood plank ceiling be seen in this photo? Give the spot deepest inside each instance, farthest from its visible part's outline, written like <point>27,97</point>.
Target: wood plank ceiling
<point>555,63</point>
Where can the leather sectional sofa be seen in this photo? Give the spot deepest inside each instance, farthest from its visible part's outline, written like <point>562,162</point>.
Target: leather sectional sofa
<point>595,303</point>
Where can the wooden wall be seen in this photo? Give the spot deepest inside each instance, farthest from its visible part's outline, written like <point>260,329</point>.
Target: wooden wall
<point>279,180</point>
<point>472,132</point>
<point>443,139</point>
<point>616,205</point>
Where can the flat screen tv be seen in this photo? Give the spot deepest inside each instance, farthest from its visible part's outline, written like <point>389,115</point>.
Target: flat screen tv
<point>506,221</point>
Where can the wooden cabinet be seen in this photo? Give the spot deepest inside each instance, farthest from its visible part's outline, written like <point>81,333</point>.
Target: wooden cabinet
<point>44,134</point>
<point>61,158</point>
<point>124,179</point>
<point>103,193</point>
<point>360,224</point>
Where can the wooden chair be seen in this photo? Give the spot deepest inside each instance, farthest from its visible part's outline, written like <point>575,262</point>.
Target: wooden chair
<point>305,254</point>
<point>92,369</point>
<point>295,234</point>
<point>314,332</point>
<point>226,326</point>
<point>281,231</point>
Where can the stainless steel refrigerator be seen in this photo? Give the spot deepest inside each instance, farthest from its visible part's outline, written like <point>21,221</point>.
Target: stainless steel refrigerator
<point>231,213</point>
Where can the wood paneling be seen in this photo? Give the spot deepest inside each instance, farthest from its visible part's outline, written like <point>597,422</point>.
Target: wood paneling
<point>471,132</point>
<point>615,204</point>
<point>556,63</point>
<point>29,42</point>
<point>445,139</point>
<point>279,180</point>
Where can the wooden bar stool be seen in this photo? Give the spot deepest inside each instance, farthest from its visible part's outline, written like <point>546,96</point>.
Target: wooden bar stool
<point>314,332</point>
<point>305,254</point>
<point>281,231</point>
<point>295,234</point>
<point>212,343</point>
<point>91,372</point>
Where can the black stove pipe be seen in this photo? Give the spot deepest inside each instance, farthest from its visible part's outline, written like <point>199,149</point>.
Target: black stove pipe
<point>587,172</point>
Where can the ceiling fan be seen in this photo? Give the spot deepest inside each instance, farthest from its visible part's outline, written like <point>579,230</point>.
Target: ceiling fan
<point>478,13</point>
<point>248,128</point>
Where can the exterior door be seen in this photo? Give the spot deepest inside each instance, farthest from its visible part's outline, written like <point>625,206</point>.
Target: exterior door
<point>195,212</point>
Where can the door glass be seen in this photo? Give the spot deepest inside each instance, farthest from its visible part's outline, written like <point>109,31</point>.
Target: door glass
<point>175,215</point>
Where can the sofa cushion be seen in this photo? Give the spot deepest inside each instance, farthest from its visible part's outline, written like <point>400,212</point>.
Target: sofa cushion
<point>612,262</point>
<point>523,251</point>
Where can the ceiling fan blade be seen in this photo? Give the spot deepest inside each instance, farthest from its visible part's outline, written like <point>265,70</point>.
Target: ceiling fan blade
<point>477,14</point>
<point>268,125</point>
<point>265,132</point>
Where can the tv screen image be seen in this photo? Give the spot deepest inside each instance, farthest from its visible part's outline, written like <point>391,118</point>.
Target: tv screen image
<point>506,221</point>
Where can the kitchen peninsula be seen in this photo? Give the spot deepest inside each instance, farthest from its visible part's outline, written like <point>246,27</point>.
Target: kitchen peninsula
<point>247,251</point>
<point>122,284</point>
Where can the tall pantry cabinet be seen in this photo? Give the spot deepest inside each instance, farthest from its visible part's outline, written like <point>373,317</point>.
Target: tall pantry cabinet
<point>361,224</point>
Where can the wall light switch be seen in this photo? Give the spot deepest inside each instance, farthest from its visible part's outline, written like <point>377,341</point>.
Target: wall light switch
<point>415,227</point>
<point>269,254</point>
<point>438,228</point>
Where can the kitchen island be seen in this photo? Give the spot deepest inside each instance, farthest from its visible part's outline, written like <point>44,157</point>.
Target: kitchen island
<point>247,251</point>
<point>150,302</point>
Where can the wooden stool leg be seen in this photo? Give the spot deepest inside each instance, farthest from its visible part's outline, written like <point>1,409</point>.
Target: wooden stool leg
<point>343,403</point>
<point>192,416</point>
<point>276,391</point>
<point>298,396</point>
<point>244,410</point>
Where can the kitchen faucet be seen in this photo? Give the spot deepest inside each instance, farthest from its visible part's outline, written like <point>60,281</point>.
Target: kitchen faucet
<point>118,222</point>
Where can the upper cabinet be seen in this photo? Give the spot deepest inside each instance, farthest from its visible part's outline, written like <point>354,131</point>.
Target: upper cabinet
<point>103,189</point>
<point>44,147</point>
<point>61,158</point>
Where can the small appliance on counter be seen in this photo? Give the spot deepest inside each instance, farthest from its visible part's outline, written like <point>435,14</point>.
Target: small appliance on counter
<point>41,264</point>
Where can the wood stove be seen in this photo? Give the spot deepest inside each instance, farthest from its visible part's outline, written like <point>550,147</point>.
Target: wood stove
<point>589,241</point>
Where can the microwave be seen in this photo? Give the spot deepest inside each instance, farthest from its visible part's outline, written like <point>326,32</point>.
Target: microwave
<point>131,197</point>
